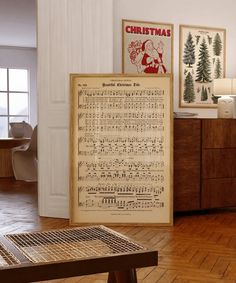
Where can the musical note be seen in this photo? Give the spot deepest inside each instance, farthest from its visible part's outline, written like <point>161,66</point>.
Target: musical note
<point>121,197</point>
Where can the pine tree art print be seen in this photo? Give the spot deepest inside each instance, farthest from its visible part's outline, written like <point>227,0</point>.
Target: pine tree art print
<point>202,59</point>
<point>218,69</point>
<point>189,51</point>
<point>217,45</point>
<point>203,65</point>
<point>189,94</point>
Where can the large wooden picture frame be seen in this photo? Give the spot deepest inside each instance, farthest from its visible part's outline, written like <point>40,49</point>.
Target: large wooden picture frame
<point>147,47</point>
<point>121,149</point>
<point>201,60</point>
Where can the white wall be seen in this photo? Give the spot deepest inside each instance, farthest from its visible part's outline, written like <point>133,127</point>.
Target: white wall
<point>18,23</point>
<point>212,13</point>
<point>17,57</point>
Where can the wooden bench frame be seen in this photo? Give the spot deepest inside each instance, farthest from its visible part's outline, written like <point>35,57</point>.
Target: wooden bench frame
<point>121,267</point>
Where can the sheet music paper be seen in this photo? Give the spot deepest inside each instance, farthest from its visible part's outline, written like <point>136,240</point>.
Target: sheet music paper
<point>121,149</point>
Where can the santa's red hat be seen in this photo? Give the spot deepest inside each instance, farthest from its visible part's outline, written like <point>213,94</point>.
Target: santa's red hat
<point>144,44</point>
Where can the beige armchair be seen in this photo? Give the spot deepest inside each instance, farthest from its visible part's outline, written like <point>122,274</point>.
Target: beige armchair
<point>25,160</point>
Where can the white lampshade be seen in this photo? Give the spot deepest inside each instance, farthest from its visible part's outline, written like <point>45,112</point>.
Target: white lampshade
<point>223,87</point>
<point>233,87</point>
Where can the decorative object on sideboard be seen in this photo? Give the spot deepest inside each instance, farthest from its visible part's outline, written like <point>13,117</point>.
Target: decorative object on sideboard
<point>185,114</point>
<point>234,96</point>
<point>224,89</point>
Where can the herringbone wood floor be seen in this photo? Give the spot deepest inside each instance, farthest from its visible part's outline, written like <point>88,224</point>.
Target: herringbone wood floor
<point>199,248</point>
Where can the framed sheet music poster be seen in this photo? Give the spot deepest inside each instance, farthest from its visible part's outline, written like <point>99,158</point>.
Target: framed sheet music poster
<point>121,149</point>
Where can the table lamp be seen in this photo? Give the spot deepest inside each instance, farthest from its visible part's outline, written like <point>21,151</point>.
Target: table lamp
<point>224,89</point>
<point>234,96</point>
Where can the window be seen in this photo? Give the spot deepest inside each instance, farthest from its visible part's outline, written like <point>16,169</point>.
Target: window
<point>14,98</point>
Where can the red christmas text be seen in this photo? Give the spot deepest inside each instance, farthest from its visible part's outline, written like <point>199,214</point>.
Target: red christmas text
<point>148,31</point>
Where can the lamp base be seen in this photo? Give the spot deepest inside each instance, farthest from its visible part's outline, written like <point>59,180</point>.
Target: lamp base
<point>225,107</point>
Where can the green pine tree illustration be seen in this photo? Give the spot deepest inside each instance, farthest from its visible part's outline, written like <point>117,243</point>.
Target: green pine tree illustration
<point>204,95</point>
<point>189,94</point>
<point>189,51</point>
<point>218,69</point>
<point>217,45</point>
<point>203,65</point>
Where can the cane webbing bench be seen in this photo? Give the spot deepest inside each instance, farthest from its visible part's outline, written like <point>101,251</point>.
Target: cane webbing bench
<point>54,254</point>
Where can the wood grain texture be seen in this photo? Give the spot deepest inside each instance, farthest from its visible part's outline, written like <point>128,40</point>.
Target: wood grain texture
<point>205,149</point>
<point>5,163</point>
<point>219,163</point>
<point>200,247</point>
<point>218,193</point>
<point>218,133</point>
<point>11,142</point>
<point>187,148</point>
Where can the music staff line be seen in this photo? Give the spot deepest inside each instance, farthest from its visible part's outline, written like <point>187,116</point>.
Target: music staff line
<point>125,105</point>
<point>112,203</point>
<point>121,128</point>
<point>126,115</point>
<point>114,93</point>
<point>121,164</point>
<point>120,146</point>
<point>118,122</point>
<point>121,189</point>
<point>118,176</point>
<point>122,152</point>
<point>123,140</point>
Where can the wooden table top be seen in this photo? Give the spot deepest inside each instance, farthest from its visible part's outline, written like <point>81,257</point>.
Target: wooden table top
<point>12,142</point>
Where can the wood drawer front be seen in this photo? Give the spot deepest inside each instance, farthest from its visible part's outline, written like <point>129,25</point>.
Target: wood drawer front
<point>219,133</point>
<point>187,134</point>
<point>218,193</point>
<point>186,181</point>
<point>219,163</point>
<point>187,147</point>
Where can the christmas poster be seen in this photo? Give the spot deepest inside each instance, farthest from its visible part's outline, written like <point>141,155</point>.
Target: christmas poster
<point>202,59</point>
<point>147,47</point>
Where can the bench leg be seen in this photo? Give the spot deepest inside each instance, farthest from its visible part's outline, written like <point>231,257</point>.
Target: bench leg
<point>123,276</point>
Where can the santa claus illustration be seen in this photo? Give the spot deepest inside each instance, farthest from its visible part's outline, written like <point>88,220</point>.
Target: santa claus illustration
<point>152,57</point>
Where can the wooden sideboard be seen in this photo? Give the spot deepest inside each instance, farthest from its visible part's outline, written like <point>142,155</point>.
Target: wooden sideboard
<point>204,163</point>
